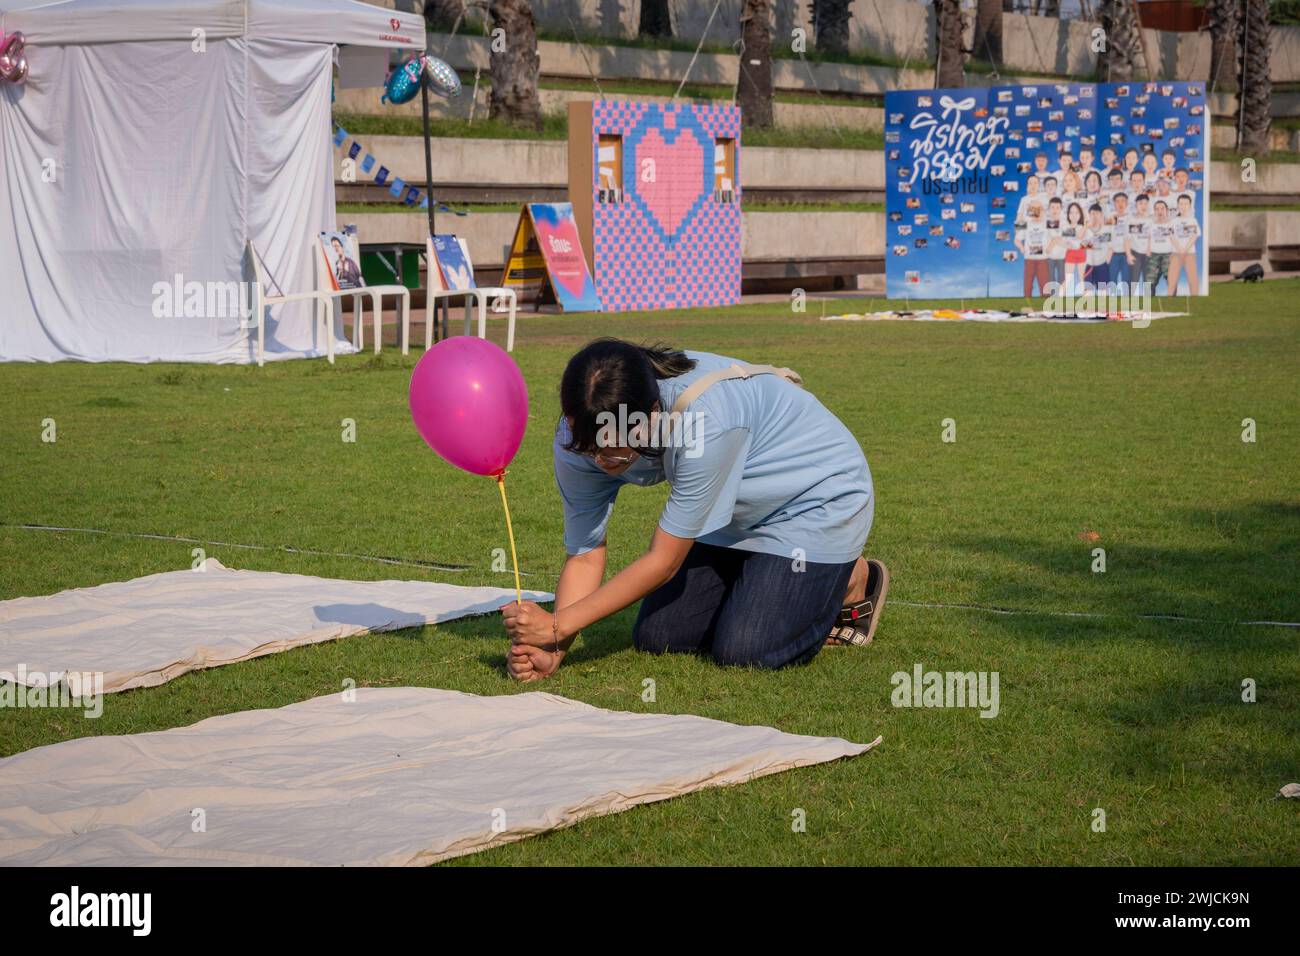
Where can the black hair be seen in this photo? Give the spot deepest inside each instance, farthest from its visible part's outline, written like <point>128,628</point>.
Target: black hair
<point>608,373</point>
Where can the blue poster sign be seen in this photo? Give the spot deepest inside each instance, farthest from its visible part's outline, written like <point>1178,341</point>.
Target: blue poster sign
<point>1026,190</point>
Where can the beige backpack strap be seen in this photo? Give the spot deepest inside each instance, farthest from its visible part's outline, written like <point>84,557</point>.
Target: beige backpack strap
<point>736,370</point>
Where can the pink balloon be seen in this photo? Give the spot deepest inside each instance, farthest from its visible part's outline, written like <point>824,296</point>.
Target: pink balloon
<point>13,62</point>
<point>470,404</point>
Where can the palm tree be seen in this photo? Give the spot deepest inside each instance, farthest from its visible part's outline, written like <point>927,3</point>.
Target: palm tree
<point>655,19</point>
<point>831,25</point>
<point>988,30</point>
<point>1255,96</point>
<point>516,65</point>
<point>1224,18</point>
<point>754,86</point>
<point>1115,63</point>
<point>443,15</point>
<point>948,26</point>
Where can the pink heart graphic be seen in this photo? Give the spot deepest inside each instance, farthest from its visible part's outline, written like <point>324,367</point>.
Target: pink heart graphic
<point>678,176</point>
<point>563,250</point>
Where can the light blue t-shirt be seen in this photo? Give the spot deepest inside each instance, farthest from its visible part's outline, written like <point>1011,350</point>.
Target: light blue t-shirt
<point>761,466</point>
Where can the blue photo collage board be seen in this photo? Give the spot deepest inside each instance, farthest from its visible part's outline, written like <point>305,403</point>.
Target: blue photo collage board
<point>1024,190</point>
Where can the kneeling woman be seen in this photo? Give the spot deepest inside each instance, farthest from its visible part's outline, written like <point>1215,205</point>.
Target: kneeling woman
<point>757,558</point>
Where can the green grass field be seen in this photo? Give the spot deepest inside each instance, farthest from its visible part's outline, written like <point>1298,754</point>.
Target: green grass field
<point>1133,434</point>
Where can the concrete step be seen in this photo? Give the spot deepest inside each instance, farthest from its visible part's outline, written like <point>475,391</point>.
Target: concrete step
<point>581,61</point>
<point>828,115</point>
<point>1224,136</point>
<point>546,162</point>
<point>460,194</point>
<point>904,30</point>
<point>508,162</point>
<point>611,62</point>
<point>798,236</point>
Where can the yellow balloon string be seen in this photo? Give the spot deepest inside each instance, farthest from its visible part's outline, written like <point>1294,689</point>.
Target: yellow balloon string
<point>514,559</point>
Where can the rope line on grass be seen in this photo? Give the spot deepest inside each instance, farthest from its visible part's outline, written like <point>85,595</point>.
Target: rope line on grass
<point>407,562</point>
<point>436,566</point>
<point>990,609</point>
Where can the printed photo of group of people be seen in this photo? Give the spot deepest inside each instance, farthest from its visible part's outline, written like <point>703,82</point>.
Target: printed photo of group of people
<point>1096,184</point>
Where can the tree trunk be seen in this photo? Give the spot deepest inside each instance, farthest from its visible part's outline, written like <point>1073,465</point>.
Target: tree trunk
<point>1116,63</point>
<point>831,25</point>
<point>441,15</point>
<point>754,89</point>
<point>514,63</point>
<point>1224,20</point>
<point>988,30</point>
<point>655,19</point>
<point>1256,89</point>
<point>948,25</point>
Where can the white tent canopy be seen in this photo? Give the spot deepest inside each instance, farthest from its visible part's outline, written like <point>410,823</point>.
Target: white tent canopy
<point>151,140</point>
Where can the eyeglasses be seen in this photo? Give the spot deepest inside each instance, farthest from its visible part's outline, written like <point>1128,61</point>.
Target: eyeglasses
<point>603,459</point>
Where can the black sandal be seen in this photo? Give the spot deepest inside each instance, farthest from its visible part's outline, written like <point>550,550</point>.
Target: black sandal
<point>857,622</point>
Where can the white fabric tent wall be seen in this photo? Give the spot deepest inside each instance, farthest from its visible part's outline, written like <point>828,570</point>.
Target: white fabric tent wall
<point>165,160</point>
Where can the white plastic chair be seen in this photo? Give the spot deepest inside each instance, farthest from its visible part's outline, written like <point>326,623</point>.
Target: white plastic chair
<point>324,308</point>
<point>376,293</point>
<point>475,298</point>
<point>437,290</point>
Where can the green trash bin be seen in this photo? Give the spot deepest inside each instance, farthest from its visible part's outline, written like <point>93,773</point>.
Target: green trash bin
<point>380,268</point>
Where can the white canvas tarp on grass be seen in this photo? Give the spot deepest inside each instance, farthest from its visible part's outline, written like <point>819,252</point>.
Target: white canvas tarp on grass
<point>400,776</point>
<point>150,630</point>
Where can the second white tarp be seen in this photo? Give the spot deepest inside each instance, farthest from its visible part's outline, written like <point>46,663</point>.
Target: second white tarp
<point>386,776</point>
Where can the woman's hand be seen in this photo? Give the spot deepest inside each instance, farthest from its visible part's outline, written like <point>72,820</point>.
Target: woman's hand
<point>527,663</point>
<point>527,623</point>
<point>533,652</point>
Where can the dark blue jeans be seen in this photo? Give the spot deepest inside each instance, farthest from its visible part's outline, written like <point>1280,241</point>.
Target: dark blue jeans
<point>743,608</point>
<point>1119,272</point>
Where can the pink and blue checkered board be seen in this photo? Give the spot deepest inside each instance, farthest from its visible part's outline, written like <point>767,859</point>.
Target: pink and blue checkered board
<point>670,243</point>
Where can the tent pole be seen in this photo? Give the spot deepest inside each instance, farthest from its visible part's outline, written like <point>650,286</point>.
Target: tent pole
<point>428,184</point>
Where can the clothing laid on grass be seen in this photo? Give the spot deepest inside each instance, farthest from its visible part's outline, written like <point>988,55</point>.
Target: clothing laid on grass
<point>762,466</point>
<point>402,776</point>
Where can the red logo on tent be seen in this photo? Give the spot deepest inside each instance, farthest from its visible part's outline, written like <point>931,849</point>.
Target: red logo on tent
<point>395,23</point>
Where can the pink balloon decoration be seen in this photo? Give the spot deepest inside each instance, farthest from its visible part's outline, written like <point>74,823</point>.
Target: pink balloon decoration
<point>13,61</point>
<point>470,404</point>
